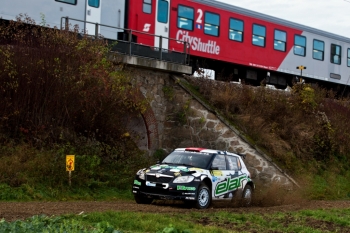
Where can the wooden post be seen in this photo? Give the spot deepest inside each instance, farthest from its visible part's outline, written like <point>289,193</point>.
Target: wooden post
<point>70,178</point>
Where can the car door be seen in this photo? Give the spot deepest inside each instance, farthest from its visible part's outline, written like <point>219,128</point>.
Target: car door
<point>219,174</point>
<point>226,176</point>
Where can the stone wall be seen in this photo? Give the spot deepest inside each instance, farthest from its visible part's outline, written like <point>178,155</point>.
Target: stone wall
<point>184,121</point>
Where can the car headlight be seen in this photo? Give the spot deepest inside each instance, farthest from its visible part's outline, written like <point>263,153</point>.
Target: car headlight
<point>141,174</point>
<point>184,179</point>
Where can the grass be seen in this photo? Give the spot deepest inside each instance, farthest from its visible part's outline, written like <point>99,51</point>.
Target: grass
<point>313,221</point>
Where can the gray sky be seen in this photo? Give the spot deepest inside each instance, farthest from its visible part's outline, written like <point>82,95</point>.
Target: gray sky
<point>328,15</point>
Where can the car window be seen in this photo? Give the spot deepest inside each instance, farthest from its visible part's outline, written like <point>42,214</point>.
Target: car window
<point>200,160</point>
<point>233,163</point>
<point>219,162</point>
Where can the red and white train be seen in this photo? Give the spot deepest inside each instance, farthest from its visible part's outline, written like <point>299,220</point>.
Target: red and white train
<point>236,42</point>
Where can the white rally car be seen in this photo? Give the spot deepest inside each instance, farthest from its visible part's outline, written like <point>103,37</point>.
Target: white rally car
<point>197,176</point>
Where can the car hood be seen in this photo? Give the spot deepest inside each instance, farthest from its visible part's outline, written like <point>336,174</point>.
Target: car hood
<point>174,170</point>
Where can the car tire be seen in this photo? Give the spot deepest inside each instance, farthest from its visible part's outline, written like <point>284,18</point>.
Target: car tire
<point>143,200</point>
<point>247,196</point>
<point>203,197</point>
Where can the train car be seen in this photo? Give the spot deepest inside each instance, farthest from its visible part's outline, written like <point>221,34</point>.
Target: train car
<point>246,45</point>
<point>83,13</point>
<point>238,44</point>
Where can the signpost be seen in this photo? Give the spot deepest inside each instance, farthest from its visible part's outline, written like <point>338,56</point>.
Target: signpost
<point>70,159</point>
<point>301,68</point>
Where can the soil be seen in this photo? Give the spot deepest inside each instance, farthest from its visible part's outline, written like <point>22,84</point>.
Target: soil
<point>11,211</point>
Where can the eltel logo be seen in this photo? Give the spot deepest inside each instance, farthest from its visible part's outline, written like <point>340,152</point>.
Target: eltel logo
<point>229,185</point>
<point>146,27</point>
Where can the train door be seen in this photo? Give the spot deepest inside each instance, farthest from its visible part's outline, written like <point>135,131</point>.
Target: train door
<point>162,23</point>
<point>93,15</point>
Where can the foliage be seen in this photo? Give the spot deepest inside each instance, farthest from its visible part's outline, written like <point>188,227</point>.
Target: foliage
<point>60,95</point>
<point>44,224</point>
<point>28,173</point>
<point>57,86</point>
<point>169,92</point>
<point>320,220</point>
<point>303,130</point>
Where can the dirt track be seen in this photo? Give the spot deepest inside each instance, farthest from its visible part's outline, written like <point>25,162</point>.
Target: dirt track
<point>11,211</point>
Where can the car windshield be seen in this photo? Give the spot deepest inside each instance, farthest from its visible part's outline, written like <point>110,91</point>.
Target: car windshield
<point>200,160</point>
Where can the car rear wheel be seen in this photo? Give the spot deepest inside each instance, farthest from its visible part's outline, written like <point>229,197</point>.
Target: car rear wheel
<point>204,197</point>
<point>142,200</point>
<point>247,196</point>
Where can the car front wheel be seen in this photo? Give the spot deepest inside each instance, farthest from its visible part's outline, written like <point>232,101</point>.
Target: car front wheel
<point>204,197</point>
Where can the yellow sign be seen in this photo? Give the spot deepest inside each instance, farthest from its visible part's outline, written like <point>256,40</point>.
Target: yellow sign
<point>70,162</point>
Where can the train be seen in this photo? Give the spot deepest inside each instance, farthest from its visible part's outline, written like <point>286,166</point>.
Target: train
<point>238,44</point>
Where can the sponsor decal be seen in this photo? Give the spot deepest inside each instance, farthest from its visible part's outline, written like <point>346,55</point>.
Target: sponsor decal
<point>172,168</point>
<point>185,188</point>
<point>177,174</point>
<point>216,173</point>
<point>190,198</point>
<point>229,184</point>
<point>136,182</point>
<point>156,168</point>
<point>150,184</point>
<point>192,194</point>
<point>197,44</point>
<point>196,169</point>
<point>146,27</point>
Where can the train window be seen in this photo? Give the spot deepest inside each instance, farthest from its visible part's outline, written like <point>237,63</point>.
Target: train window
<point>259,35</point>
<point>73,2</point>
<point>163,11</point>
<point>300,45</point>
<point>236,30</point>
<point>147,6</point>
<point>280,40</point>
<point>349,57</point>
<point>185,16</point>
<point>335,54</point>
<point>94,3</point>
<point>318,50</point>
<point>211,24</point>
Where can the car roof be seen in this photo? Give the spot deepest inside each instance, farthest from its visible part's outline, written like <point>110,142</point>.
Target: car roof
<point>204,150</point>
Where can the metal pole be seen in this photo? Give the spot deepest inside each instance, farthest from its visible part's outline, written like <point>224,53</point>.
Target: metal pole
<point>96,30</point>
<point>130,35</point>
<point>185,52</point>
<point>66,23</point>
<point>160,47</point>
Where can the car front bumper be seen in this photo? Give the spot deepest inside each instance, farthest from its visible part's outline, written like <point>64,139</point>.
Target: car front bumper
<point>166,191</point>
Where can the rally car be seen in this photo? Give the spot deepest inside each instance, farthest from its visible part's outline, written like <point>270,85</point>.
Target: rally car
<point>197,176</point>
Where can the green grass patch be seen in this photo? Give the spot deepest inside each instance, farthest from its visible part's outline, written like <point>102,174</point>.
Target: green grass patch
<point>312,221</point>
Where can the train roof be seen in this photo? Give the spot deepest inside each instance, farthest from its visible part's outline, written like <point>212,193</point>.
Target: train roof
<point>254,14</point>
